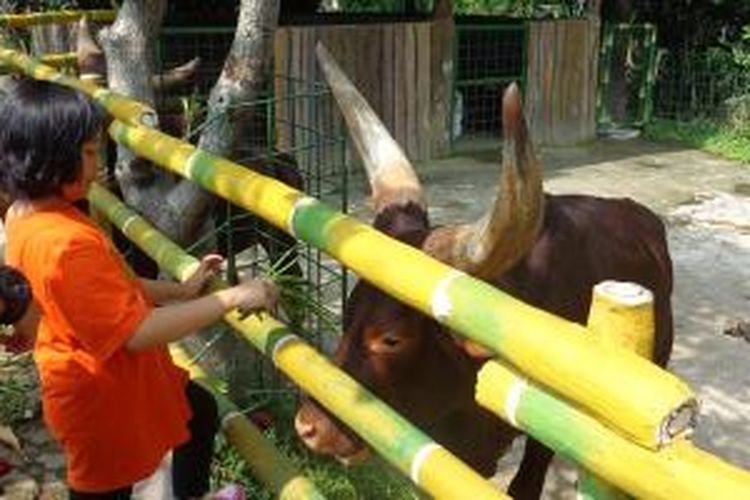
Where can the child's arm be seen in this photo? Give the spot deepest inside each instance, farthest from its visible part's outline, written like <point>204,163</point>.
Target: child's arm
<point>172,322</point>
<point>163,291</point>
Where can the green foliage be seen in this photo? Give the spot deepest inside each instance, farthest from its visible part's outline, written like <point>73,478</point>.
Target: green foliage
<point>374,480</point>
<point>741,49</point>
<point>19,395</point>
<point>515,8</point>
<point>707,135</point>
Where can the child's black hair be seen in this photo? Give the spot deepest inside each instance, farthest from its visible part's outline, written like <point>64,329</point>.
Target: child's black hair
<point>42,129</point>
<point>15,293</point>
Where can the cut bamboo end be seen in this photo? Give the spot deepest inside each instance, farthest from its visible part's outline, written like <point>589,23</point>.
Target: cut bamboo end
<point>622,313</point>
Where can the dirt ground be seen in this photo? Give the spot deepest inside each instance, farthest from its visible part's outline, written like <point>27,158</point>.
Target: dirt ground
<point>705,202</point>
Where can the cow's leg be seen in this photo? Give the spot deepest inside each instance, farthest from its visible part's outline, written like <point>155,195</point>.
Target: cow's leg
<point>529,479</point>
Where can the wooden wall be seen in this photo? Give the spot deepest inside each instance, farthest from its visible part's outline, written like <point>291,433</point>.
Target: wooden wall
<point>561,80</point>
<point>396,66</point>
<point>405,71</point>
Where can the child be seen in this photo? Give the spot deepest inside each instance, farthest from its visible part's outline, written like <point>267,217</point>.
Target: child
<point>110,392</point>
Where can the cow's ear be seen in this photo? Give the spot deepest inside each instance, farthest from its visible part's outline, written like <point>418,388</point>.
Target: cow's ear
<point>407,223</point>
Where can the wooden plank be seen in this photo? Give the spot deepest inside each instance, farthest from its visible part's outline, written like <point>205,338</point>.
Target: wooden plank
<point>581,97</point>
<point>532,97</point>
<point>547,53</point>
<point>330,126</point>
<point>388,63</point>
<point>373,48</point>
<point>424,98</point>
<point>442,70</point>
<point>576,59</point>
<point>281,60</point>
<point>410,56</point>
<point>399,87</point>
<point>558,96</point>
<point>592,65</point>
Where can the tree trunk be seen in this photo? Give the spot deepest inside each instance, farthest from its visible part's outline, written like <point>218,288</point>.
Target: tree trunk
<point>180,208</point>
<point>129,44</point>
<point>240,81</point>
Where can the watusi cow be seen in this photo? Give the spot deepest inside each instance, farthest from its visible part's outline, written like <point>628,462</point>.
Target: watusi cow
<point>547,250</point>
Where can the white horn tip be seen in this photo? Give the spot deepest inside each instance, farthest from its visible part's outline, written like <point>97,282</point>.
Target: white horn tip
<point>512,108</point>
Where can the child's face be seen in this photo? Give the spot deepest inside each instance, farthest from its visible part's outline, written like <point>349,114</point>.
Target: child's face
<point>90,155</point>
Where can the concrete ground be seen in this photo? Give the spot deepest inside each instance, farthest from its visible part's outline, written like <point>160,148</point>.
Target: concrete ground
<point>705,202</point>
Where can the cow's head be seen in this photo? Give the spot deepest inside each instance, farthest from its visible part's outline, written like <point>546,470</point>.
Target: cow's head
<point>403,356</point>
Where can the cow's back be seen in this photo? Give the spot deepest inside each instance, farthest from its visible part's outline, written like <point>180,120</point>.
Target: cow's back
<point>586,240</point>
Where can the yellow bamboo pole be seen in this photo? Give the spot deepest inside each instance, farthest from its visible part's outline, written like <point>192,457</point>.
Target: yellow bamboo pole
<point>57,61</point>
<point>621,314</point>
<point>122,108</point>
<point>270,466</point>
<point>677,471</point>
<point>57,17</point>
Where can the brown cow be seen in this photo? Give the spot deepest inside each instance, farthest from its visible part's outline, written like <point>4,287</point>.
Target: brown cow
<point>544,249</point>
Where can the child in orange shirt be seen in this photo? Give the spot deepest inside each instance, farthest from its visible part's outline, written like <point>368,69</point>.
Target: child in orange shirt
<point>110,392</point>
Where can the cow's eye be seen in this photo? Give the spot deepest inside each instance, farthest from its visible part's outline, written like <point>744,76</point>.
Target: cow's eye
<point>391,340</point>
<point>386,343</point>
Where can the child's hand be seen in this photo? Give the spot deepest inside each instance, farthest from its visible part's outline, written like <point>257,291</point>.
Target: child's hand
<point>256,295</point>
<point>195,285</point>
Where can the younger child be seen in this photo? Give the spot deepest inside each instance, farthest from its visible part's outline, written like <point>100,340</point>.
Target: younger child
<point>111,394</point>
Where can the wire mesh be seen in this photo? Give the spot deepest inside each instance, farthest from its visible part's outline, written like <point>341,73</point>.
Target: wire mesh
<point>638,81</point>
<point>707,85</point>
<point>488,57</point>
<point>290,132</point>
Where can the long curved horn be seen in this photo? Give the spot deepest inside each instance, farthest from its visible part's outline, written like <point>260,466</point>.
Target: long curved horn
<point>392,178</point>
<point>92,65</point>
<point>491,245</point>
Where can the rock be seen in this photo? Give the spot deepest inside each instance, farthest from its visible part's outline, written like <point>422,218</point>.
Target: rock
<point>54,490</point>
<point>738,328</point>
<point>38,436</point>
<point>52,460</point>
<point>23,488</point>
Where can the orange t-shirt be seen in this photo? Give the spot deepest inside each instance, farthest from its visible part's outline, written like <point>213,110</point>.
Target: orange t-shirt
<point>115,412</point>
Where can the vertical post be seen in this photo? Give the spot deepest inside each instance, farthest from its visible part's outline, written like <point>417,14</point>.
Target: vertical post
<point>603,116</point>
<point>621,313</point>
<point>651,68</point>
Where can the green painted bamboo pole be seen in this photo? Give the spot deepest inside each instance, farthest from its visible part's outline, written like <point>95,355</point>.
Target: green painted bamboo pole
<point>642,400</point>
<point>651,71</point>
<point>122,108</point>
<point>676,471</point>
<point>269,465</point>
<point>54,17</point>
<point>427,463</point>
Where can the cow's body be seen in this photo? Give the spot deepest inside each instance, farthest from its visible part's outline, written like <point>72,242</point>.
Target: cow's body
<point>549,251</point>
